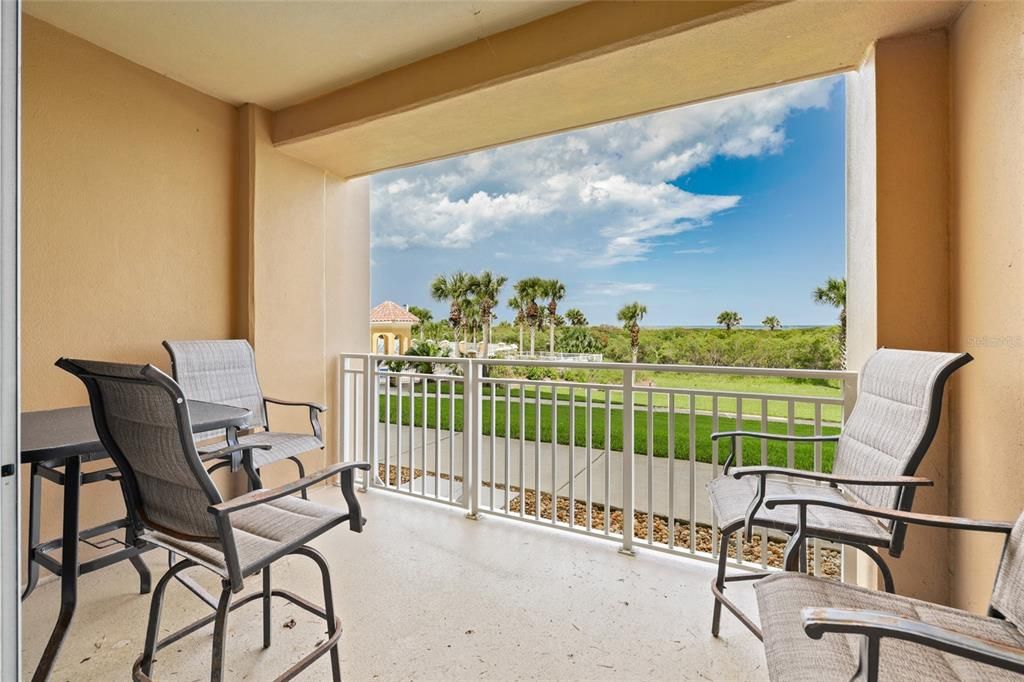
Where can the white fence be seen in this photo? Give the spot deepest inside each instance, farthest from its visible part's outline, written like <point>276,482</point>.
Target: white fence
<point>548,356</point>
<point>565,454</point>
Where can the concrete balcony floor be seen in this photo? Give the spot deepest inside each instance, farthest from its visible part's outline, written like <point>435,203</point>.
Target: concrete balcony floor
<point>426,594</point>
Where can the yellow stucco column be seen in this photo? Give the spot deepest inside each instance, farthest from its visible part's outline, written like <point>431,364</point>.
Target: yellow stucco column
<point>898,251</point>
<point>307,234</point>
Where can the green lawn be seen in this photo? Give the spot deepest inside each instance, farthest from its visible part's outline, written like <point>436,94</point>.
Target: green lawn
<point>712,382</point>
<point>777,452</point>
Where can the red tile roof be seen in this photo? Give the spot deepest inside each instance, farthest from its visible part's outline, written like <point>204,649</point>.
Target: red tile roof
<point>389,311</point>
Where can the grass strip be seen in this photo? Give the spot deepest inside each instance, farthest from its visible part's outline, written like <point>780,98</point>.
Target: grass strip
<point>557,425</point>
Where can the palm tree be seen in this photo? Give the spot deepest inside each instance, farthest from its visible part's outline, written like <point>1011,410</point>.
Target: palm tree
<point>456,290</point>
<point>425,317</point>
<point>554,291</point>
<point>576,317</point>
<point>729,319</point>
<point>771,322</point>
<point>485,297</point>
<point>834,294</point>
<point>630,316</point>
<point>529,290</point>
<point>519,306</point>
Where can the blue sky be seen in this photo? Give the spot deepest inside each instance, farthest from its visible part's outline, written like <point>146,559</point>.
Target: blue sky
<point>736,204</point>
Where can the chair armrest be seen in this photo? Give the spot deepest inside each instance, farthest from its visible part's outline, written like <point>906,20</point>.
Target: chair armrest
<point>878,625</point>
<point>319,407</point>
<point>950,522</point>
<point>733,435</point>
<point>773,436</point>
<point>264,495</point>
<point>762,472</point>
<point>232,449</point>
<point>740,472</point>
<point>314,413</point>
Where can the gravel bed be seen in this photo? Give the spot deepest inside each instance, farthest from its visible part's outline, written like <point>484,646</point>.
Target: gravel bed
<point>830,558</point>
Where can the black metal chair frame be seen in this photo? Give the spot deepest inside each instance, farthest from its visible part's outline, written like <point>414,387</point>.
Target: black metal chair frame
<point>221,511</point>
<point>39,552</point>
<point>907,484</point>
<point>874,626</point>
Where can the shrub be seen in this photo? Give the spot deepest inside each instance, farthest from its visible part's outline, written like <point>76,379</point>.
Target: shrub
<point>540,373</point>
<point>577,376</point>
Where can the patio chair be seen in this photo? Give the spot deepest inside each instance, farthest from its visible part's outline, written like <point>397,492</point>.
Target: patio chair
<point>142,418</point>
<point>817,630</point>
<point>225,372</point>
<point>876,456</point>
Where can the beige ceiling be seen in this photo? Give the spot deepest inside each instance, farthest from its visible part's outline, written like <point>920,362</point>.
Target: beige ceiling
<point>283,52</point>
<point>748,47</point>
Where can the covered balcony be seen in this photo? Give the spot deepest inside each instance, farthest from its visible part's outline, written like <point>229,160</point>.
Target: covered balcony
<point>426,594</point>
<point>201,171</point>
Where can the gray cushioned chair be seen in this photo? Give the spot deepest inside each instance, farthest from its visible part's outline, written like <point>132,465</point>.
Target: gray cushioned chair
<point>877,454</point>
<point>142,418</point>
<point>817,630</point>
<point>224,371</point>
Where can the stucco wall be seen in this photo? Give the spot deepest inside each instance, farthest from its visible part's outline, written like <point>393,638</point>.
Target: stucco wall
<point>861,214</point>
<point>912,252</point>
<point>310,242</point>
<point>946,238</point>
<point>898,247</point>
<point>152,211</point>
<point>347,287</point>
<point>987,463</point>
<point>128,206</point>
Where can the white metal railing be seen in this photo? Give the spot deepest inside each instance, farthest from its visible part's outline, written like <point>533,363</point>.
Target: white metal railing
<point>564,453</point>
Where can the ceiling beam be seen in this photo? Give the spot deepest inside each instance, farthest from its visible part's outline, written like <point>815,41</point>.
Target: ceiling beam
<point>557,81</point>
<point>575,34</point>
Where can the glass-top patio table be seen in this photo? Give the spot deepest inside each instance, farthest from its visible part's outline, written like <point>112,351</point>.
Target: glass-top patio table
<point>56,443</point>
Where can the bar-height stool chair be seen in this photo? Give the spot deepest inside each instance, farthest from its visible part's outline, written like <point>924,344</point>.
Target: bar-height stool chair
<point>224,371</point>
<point>142,418</point>
<point>877,455</point>
<point>816,630</point>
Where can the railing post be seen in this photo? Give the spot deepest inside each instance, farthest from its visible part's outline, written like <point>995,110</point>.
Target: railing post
<point>471,405</point>
<point>344,424</point>
<point>849,394</point>
<point>628,462</point>
<point>848,559</point>
<point>371,406</point>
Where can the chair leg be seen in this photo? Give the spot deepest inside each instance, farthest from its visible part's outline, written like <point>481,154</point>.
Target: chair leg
<point>794,556</point>
<point>155,609</point>
<point>266,607</point>
<point>325,574</point>
<point>302,474</point>
<point>867,666</point>
<point>253,474</point>
<point>33,529</point>
<point>220,630</point>
<point>723,558</point>
<point>145,578</point>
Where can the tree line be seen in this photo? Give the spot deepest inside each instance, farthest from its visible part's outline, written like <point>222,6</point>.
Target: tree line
<point>535,303</point>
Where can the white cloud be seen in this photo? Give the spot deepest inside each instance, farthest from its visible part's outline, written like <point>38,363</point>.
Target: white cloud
<point>617,288</point>
<point>703,249</point>
<point>611,183</point>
